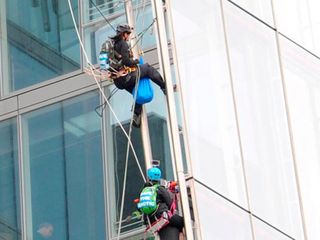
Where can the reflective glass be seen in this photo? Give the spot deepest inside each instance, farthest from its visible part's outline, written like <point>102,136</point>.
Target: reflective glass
<point>38,41</point>
<point>302,80</point>
<point>97,10</point>
<point>300,21</point>
<point>117,153</point>
<point>9,182</point>
<point>64,171</point>
<point>262,9</point>
<point>219,219</point>
<point>206,92</point>
<point>263,122</point>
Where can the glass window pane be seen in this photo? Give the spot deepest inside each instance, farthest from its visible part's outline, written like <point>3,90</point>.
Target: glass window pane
<point>209,112</point>
<point>262,9</point>
<point>64,171</point>
<point>41,41</point>
<point>262,122</point>
<point>9,182</point>
<point>219,219</point>
<point>300,21</point>
<point>302,78</point>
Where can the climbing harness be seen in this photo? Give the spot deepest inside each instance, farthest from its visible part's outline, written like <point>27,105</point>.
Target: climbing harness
<point>148,206</point>
<point>164,220</point>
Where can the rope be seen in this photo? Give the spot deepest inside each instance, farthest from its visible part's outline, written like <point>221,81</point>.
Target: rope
<point>102,14</point>
<point>91,67</point>
<point>144,3</point>
<point>127,154</point>
<point>140,35</point>
<point>103,105</point>
<point>129,144</point>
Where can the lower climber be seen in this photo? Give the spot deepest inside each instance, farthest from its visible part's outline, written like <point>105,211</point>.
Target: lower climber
<point>158,204</point>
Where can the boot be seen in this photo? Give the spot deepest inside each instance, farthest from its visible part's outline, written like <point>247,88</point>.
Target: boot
<point>136,120</point>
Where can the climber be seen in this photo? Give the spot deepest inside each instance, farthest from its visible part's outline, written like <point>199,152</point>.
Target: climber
<point>123,68</point>
<point>158,205</point>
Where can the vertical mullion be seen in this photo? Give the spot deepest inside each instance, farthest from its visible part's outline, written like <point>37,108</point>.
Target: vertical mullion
<point>236,115</point>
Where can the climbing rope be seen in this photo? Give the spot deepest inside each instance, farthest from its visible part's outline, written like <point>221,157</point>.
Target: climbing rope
<point>128,136</point>
<point>91,68</point>
<point>102,14</point>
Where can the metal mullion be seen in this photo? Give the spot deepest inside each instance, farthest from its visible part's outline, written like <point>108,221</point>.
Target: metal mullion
<point>21,170</point>
<point>223,19</point>
<point>177,160</point>
<point>4,58</point>
<point>289,124</point>
<point>81,31</point>
<point>106,165</point>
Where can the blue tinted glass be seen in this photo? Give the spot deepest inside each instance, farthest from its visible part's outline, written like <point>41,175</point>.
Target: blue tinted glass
<point>41,41</point>
<point>65,171</point>
<point>9,182</point>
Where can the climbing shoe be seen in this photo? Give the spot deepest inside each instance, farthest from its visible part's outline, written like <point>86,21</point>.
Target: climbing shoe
<point>136,121</point>
<point>175,89</point>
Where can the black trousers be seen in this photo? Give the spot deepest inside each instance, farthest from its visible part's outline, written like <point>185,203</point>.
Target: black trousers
<point>173,229</point>
<point>128,82</point>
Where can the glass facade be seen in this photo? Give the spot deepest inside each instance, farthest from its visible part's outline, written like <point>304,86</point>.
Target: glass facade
<point>117,150</point>
<point>38,42</point>
<point>299,21</point>
<point>262,121</point>
<point>211,124</point>
<point>261,9</point>
<point>247,108</point>
<point>250,86</point>
<point>301,71</point>
<point>217,215</point>
<point>98,30</point>
<point>64,170</point>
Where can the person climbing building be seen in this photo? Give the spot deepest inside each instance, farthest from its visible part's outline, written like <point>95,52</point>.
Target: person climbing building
<point>158,205</point>
<point>124,68</point>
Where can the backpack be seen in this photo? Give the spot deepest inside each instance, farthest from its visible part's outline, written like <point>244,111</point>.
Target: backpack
<point>148,200</point>
<point>111,57</point>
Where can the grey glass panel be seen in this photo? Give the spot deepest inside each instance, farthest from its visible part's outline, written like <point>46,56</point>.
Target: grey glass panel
<point>302,80</point>
<point>64,171</point>
<point>41,41</point>
<point>219,219</point>
<point>9,182</point>
<point>206,90</point>
<point>262,120</point>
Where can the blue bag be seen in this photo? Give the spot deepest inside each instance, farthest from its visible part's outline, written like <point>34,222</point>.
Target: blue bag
<point>145,90</point>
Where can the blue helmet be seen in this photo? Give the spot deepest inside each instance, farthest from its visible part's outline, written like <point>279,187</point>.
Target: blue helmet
<point>154,174</point>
